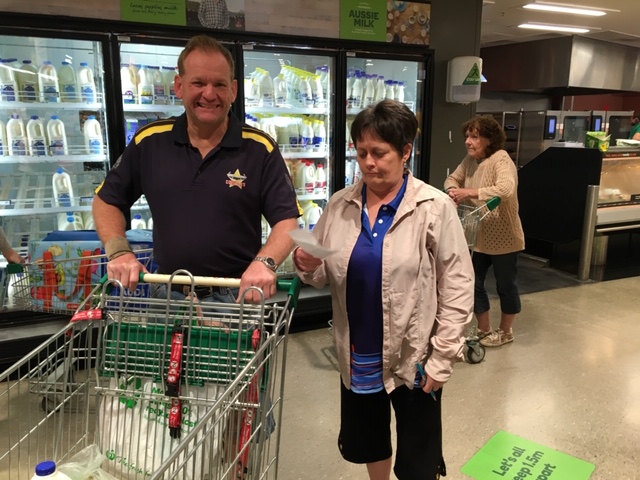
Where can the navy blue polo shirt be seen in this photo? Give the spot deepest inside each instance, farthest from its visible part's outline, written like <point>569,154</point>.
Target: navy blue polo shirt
<point>206,212</point>
<point>364,296</point>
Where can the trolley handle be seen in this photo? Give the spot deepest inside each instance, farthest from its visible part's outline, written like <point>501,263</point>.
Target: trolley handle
<point>493,203</point>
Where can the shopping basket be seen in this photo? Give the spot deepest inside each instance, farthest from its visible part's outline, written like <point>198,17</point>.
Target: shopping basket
<point>167,388</point>
<point>470,217</point>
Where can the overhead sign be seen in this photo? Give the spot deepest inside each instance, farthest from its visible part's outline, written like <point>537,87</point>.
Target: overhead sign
<point>165,12</point>
<point>509,457</point>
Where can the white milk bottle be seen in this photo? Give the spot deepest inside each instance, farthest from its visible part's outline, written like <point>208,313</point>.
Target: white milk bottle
<point>48,83</point>
<point>309,172</point>
<point>280,90</point>
<point>92,136</point>
<point>138,223</point>
<point>150,223</point>
<point>145,86</point>
<point>62,189</point>
<point>357,173</point>
<point>350,79</point>
<point>311,217</point>
<point>293,134</point>
<point>16,136</point>
<point>319,136</point>
<point>87,221</point>
<point>70,221</point>
<point>68,83</point>
<point>86,84</point>
<point>129,87</point>
<point>306,135</point>
<point>28,82</point>
<point>299,177</point>
<point>316,91</point>
<point>8,84</point>
<point>321,180</point>
<point>36,137</point>
<point>380,89</point>
<point>57,136</point>
<point>266,89</point>
<point>169,77</point>
<point>306,95</point>
<point>348,172</point>
<point>400,92</point>
<point>47,470</point>
<point>389,94</point>
<point>369,92</point>
<point>357,90</point>
<point>159,88</point>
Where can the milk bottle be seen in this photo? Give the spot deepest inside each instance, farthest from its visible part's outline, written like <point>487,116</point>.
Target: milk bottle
<point>350,80</point>
<point>357,173</point>
<point>316,91</point>
<point>357,92</point>
<point>306,95</point>
<point>280,90</point>
<point>86,84</point>
<point>306,134</point>
<point>309,172</point>
<point>266,89</point>
<point>293,134</point>
<point>47,470</point>
<point>62,189</point>
<point>131,127</point>
<point>388,90</point>
<point>145,86</point>
<point>319,136</point>
<point>68,83</point>
<point>349,172</point>
<point>4,150</point>
<point>48,83</point>
<point>299,177</point>
<point>400,92</point>
<point>57,136</point>
<point>70,221</point>
<point>380,89</point>
<point>138,223</point>
<point>36,137</point>
<point>16,136</point>
<point>28,82</point>
<point>150,223</point>
<point>369,92</point>
<point>129,87</point>
<point>311,216</point>
<point>159,88</point>
<point>92,136</point>
<point>8,84</point>
<point>87,221</point>
<point>169,76</point>
<point>321,181</point>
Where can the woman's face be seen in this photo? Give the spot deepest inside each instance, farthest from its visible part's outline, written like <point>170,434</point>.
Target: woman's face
<point>381,164</point>
<point>476,144</point>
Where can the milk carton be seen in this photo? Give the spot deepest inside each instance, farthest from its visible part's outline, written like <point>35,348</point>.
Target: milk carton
<point>92,136</point>
<point>68,83</point>
<point>86,84</point>
<point>57,136</point>
<point>129,87</point>
<point>16,136</point>
<point>28,82</point>
<point>145,86</point>
<point>8,84</point>
<point>48,83</point>
<point>36,137</point>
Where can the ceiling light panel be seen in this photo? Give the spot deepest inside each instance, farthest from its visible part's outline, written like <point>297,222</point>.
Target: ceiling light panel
<point>547,7</point>
<point>553,28</point>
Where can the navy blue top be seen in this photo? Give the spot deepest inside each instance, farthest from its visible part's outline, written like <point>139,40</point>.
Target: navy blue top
<point>364,296</point>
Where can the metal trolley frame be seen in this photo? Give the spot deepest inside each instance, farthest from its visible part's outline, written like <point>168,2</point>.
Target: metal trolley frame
<point>168,388</point>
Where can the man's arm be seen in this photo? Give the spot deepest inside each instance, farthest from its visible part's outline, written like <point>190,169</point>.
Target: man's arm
<point>111,227</point>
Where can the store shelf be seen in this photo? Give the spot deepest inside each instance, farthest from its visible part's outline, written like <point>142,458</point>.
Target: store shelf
<point>303,154</point>
<point>51,105</point>
<point>134,107</point>
<point>311,196</point>
<point>52,159</point>
<point>288,110</point>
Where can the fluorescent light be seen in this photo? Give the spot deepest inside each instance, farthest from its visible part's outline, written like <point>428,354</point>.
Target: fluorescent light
<point>553,28</point>
<point>565,9</point>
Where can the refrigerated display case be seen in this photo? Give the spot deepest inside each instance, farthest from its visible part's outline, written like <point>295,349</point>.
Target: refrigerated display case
<point>372,77</point>
<point>54,119</point>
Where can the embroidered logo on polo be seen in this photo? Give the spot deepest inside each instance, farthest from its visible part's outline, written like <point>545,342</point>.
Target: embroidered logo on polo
<point>236,179</point>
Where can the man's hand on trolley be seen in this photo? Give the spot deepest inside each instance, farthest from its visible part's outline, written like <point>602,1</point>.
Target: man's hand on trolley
<point>126,268</point>
<point>257,275</point>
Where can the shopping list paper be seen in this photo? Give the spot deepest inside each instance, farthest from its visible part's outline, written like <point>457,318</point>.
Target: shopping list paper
<point>310,244</point>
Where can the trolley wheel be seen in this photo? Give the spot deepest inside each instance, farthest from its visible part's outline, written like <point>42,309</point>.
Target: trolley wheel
<point>475,352</point>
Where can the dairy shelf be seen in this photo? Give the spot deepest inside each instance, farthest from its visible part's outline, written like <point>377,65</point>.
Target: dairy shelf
<point>51,105</point>
<point>288,110</point>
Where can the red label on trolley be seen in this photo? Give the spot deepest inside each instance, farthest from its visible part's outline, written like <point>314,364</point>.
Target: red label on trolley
<point>175,418</point>
<point>95,314</point>
<point>175,363</point>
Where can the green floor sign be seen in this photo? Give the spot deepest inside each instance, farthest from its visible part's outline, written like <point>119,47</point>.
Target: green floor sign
<point>511,457</point>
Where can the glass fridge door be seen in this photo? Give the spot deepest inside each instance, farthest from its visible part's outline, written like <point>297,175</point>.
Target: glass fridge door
<point>290,97</point>
<point>53,130</point>
<point>371,79</point>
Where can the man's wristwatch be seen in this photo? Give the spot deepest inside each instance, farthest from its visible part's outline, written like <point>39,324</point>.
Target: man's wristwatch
<point>268,261</point>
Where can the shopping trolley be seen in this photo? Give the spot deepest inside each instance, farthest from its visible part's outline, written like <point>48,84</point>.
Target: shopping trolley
<point>167,388</point>
<point>470,217</point>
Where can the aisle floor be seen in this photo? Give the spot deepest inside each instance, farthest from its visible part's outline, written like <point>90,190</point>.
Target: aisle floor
<point>570,381</point>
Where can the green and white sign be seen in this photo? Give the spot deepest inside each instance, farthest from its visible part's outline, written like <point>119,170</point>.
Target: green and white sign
<point>161,12</point>
<point>473,77</point>
<point>363,20</point>
<point>510,457</point>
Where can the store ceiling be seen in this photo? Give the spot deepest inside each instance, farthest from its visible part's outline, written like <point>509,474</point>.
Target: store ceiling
<point>500,20</point>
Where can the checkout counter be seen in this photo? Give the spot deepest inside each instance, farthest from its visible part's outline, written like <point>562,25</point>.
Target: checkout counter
<point>553,194</point>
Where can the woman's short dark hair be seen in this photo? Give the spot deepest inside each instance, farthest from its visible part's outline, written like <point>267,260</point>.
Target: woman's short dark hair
<point>390,120</point>
<point>489,128</point>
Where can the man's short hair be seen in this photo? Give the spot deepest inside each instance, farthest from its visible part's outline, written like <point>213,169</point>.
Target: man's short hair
<point>206,44</point>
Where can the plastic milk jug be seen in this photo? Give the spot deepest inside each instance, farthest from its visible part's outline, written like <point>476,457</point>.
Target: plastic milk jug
<point>321,180</point>
<point>316,91</point>
<point>294,134</point>
<point>86,84</point>
<point>306,94</point>
<point>311,216</point>
<point>28,82</point>
<point>150,223</point>
<point>266,90</point>
<point>357,173</point>
<point>169,77</point>
<point>87,221</point>
<point>48,83</point>
<point>16,136</point>
<point>356,92</point>
<point>159,88</point>
<point>138,223</point>
<point>47,470</point>
<point>8,84</point>
<point>309,171</point>
<point>62,189</point>
<point>400,92</point>
<point>57,136</point>
<point>70,221</point>
<point>280,90</point>
<point>380,88</point>
<point>92,136</point>
<point>369,92</point>
<point>348,172</point>
<point>68,83</point>
<point>129,88</point>
<point>299,177</point>
<point>319,136</point>
<point>36,137</point>
<point>389,94</point>
<point>145,86</point>
<point>306,135</point>
<point>4,148</point>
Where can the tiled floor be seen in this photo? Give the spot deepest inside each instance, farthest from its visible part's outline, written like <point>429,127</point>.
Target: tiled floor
<point>570,381</point>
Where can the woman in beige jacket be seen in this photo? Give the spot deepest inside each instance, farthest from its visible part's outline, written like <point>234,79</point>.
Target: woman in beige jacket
<point>402,292</point>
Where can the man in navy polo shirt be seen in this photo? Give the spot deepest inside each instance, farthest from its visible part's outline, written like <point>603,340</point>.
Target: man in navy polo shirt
<point>208,178</point>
